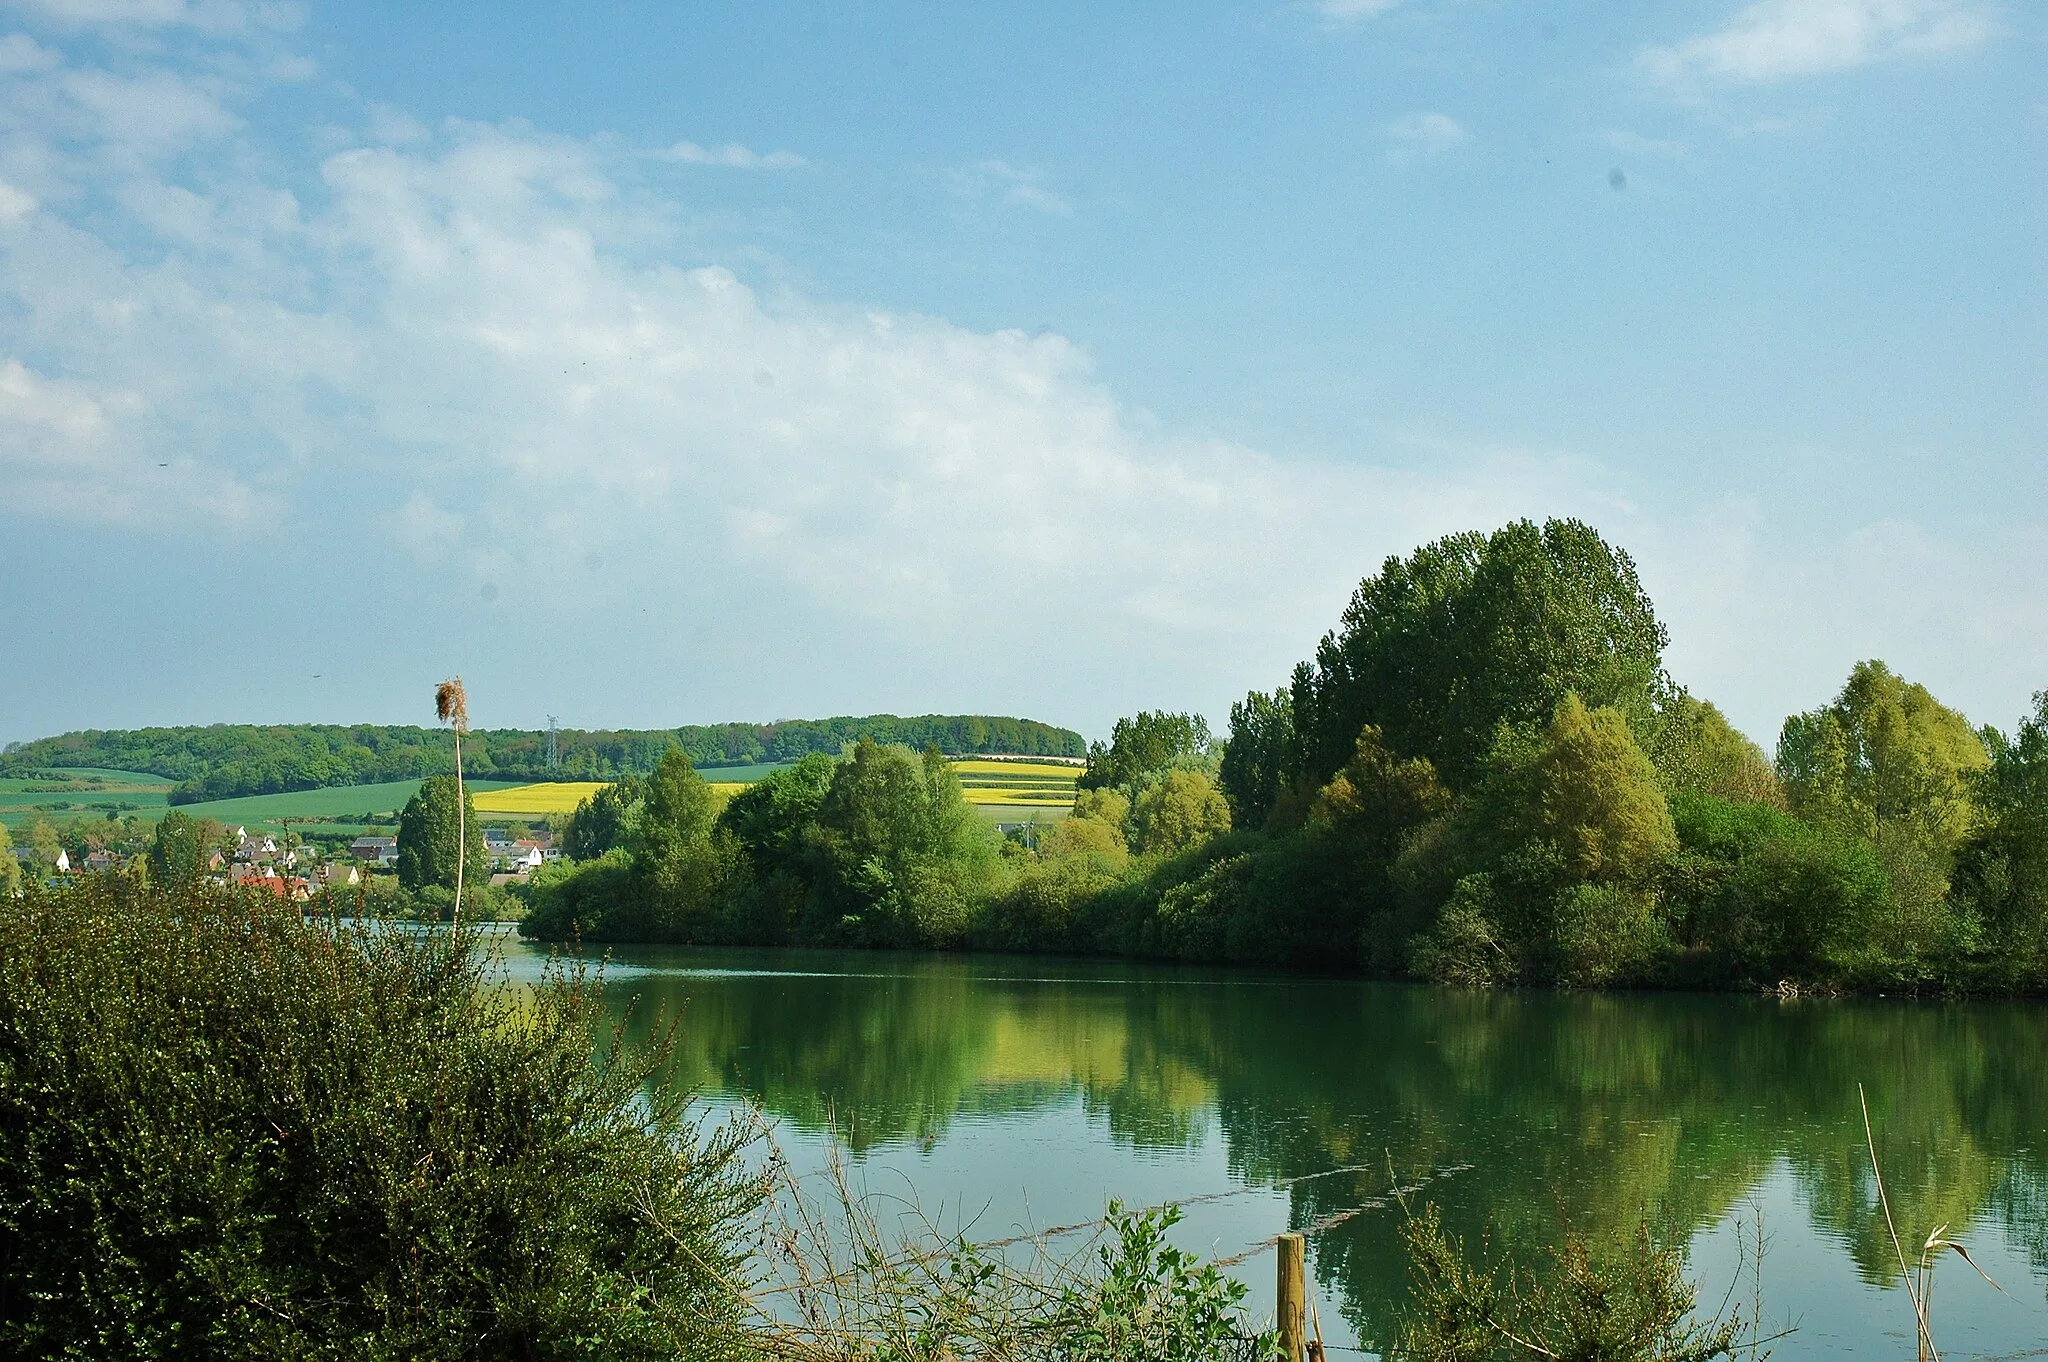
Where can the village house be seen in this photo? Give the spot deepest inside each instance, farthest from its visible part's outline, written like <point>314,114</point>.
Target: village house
<point>101,860</point>
<point>379,851</point>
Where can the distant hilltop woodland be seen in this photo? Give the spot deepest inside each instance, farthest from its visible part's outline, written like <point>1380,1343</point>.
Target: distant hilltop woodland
<point>223,761</point>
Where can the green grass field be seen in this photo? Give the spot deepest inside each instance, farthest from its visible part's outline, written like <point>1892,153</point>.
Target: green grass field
<point>81,793</point>
<point>740,775</point>
<point>337,802</point>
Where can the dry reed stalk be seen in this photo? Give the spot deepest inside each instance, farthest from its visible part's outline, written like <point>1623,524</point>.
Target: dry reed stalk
<point>451,705</point>
<point>1919,1280</point>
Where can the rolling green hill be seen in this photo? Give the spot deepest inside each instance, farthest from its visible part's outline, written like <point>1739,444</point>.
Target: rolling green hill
<point>226,761</point>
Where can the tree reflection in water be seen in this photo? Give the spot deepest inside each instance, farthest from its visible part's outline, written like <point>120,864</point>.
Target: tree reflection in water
<point>1605,1107</point>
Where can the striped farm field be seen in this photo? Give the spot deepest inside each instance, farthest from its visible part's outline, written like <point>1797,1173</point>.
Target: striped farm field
<point>555,796</point>
<point>1036,785</point>
<point>1035,770</point>
<point>1045,799</point>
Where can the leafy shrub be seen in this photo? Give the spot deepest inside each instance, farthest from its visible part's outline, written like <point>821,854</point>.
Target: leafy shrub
<point>228,1132</point>
<point>1635,1306</point>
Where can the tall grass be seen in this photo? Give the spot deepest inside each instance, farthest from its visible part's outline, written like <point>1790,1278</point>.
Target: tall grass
<point>451,706</point>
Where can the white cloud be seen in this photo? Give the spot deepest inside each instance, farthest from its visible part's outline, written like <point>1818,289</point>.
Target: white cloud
<point>19,52</point>
<point>731,155</point>
<point>1420,135</point>
<point>15,204</point>
<point>1778,39</point>
<point>217,17</point>
<point>1016,185</point>
<point>156,111</point>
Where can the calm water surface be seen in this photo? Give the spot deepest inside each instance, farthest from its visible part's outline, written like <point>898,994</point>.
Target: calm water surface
<point>1007,1094</point>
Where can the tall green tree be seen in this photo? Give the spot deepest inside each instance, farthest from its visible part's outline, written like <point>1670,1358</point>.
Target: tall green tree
<point>1176,813</point>
<point>1594,796</point>
<point>901,856</point>
<point>677,810</point>
<point>1254,755</point>
<point>602,821</point>
<point>770,818</point>
<point>43,842</point>
<point>1694,747</point>
<point>1886,759</point>
<point>1144,744</point>
<point>427,832</point>
<point>1472,632</point>
<point>2002,868</point>
<point>10,871</point>
<point>178,851</point>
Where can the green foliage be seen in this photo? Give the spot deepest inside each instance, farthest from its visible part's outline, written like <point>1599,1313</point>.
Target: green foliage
<point>590,900</point>
<point>1635,1306</point>
<point>1472,632</point>
<point>178,852</point>
<point>676,817</point>
<point>603,821</point>
<point>897,856</point>
<point>428,830</point>
<point>1145,744</point>
<point>1465,945</point>
<point>229,1132</point>
<point>1177,812</point>
<point>1885,759</point>
<point>1255,756</point>
<point>10,872</point>
<point>1771,896</point>
<point>1378,797</point>
<point>1695,748</point>
<point>2001,874</point>
<point>1593,795</point>
<point>1150,1302</point>
<point>43,844</point>
<point>769,817</point>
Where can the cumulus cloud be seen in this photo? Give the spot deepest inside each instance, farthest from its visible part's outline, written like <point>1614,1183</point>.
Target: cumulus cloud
<point>474,347</point>
<point>732,156</point>
<point>1421,135</point>
<point>1779,39</point>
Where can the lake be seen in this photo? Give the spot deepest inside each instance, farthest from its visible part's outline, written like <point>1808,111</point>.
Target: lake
<point>1006,1094</point>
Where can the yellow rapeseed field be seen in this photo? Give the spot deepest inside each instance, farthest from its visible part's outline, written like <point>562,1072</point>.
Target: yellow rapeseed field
<point>562,796</point>
<point>1040,770</point>
<point>1044,799</point>
<point>558,796</point>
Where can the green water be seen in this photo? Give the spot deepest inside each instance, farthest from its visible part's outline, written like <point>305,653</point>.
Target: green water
<point>1004,1094</point>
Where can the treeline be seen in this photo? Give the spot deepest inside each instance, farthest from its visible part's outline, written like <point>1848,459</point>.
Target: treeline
<point>223,761</point>
<point>1483,776</point>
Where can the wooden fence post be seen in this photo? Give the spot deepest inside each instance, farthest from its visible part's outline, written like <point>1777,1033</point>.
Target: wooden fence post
<point>1292,1306</point>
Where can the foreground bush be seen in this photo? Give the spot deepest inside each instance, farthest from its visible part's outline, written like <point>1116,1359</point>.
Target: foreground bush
<point>226,1132</point>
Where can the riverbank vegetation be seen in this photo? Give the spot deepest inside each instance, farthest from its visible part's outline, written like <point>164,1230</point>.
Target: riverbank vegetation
<point>1483,776</point>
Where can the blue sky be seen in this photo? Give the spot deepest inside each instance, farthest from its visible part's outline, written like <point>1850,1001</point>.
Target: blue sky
<point>652,364</point>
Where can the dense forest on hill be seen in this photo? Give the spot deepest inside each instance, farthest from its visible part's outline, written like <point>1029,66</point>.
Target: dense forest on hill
<point>222,761</point>
<point>1484,775</point>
